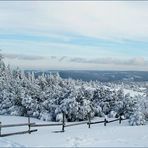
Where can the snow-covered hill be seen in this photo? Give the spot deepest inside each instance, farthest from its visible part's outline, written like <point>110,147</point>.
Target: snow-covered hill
<point>113,135</point>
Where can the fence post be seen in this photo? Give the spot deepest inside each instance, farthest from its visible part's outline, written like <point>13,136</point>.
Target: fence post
<point>105,121</point>
<point>0,128</point>
<point>120,119</point>
<point>29,125</point>
<point>63,124</point>
<point>89,120</point>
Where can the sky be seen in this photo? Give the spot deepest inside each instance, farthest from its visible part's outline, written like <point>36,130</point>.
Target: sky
<point>75,35</point>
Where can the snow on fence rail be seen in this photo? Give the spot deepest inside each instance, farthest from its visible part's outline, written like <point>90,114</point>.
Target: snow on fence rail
<point>63,124</point>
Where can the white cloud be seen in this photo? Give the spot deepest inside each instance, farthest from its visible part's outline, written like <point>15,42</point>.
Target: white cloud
<point>112,20</point>
<point>111,61</point>
<point>69,63</point>
<point>138,61</point>
<point>23,57</point>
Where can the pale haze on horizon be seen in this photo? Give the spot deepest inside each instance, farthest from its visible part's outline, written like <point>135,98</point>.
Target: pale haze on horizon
<point>80,35</point>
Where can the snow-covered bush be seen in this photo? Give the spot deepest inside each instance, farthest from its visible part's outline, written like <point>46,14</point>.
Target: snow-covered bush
<point>45,116</point>
<point>98,111</point>
<point>137,118</point>
<point>112,114</point>
<point>16,110</point>
<point>59,117</point>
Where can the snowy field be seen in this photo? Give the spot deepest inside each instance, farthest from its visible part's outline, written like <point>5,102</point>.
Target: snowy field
<point>133,93</point>
<point>130,91</point>
<point>113,135</point>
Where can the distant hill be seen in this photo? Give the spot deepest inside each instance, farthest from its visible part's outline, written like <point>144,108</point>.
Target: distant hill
<point>103,76</point>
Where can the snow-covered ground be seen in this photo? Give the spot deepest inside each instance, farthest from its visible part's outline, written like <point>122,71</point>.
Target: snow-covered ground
<point>113,135</point>
<point>130,91</point>
<point>133,93</point>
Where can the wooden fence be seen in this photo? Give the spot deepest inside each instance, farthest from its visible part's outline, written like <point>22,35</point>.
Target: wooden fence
<point>29,124</point>
<point>89,122</point>
<point>63,124</point>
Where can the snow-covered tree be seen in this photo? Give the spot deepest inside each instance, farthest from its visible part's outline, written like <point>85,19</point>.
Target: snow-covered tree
<point>48,95</point>
<point>137,117</point>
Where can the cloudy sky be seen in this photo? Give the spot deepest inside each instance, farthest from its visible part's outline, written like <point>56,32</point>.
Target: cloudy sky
<point>65,35</point>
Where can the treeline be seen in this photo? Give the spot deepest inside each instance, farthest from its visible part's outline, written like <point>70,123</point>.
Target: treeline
<point>47,96</point>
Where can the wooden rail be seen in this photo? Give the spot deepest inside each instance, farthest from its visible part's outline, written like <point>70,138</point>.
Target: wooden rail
<point>41,125</point>
<point>97,122</point>
<point>29,124</point>
<point>16,125</point>
<point>113,120</point>
<point>18,133</point>
<point>105,121</point>
<point>73,124</point>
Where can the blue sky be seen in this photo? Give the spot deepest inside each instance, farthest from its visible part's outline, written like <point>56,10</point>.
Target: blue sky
<point>75,35</point>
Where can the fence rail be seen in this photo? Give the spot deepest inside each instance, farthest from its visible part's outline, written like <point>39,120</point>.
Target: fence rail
<point>107,121</point>
<point>112,120</point>
<point>97,122</point>
<point>63,124</point>
<point>41,125</point>
<point>29,124</point>
<point>18,133</point>
<point>74,124</point>
<point>16,125</point>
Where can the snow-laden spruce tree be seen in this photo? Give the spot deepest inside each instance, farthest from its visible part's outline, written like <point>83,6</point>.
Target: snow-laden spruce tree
<point>136,117</point>
<point>144,105</point>
<point>96,101</point>
<point>70,106</point>
<point>6,94</point>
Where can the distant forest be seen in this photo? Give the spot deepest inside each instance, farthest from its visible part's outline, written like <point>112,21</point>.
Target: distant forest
<point>103,76</point>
